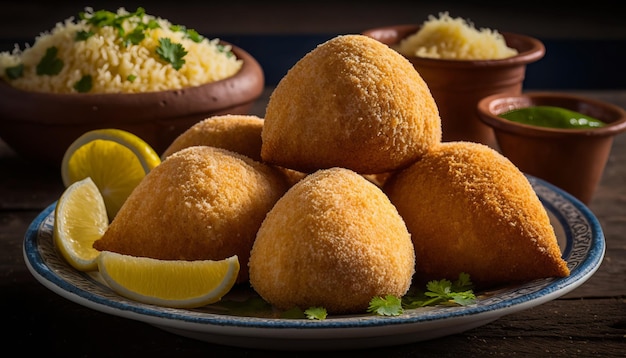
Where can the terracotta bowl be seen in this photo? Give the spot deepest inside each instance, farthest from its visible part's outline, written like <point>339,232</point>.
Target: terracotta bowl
<point>572,159</point>
<point>458,85</point>
<point>40,126</point>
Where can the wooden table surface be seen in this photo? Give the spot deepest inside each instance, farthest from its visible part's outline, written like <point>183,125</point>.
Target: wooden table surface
<point>589,321</point>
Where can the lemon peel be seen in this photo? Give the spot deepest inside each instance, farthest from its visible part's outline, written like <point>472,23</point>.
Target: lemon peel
<point>168,283</point>
<point>80,218</point>
<point>115,159</point>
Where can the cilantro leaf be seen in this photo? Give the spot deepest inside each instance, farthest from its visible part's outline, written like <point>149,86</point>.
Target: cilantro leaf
<point>84,84</point>
<point>318,313</point>
<point>102,18</point>
<point>152,24</point>
<point>172,53</point>
<point>83,35</point>
<point>99,18</point>
<point>14,72</point>
<point>131,78</point>
<point>221,48</point>
<point>193,35</point>
<point>388,306</point>
<point>136,36</point>
<point>177,28</point>
<point>443,292</point>
<point>50,64</point>
<point>463,282</point>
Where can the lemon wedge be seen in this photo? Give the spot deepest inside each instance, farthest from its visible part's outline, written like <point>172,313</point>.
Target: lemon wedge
<point>168,283</point>
<point>116,160</point>
<point>80,218</point>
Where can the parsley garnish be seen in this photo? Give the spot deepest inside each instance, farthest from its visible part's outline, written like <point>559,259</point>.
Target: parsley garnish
<point>102,18</point>
<point>318,313</point>
<point>83,35</point>
<point>388,306</point>
<point>99,18</point>
<point>221,48</point>
<point>84,84</point>
<point>193,35</point>
<point>131,78</point>
<point>171,52</point>
<point>15,72</point>
<point>442,292</point>
<point>167,51</point>
<point>50,64</point>
<point>152,24</point>
<point>136,36</point>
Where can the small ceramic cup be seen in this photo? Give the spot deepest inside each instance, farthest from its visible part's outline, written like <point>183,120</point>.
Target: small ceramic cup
<point>458,85</point>
<point>571,159</point>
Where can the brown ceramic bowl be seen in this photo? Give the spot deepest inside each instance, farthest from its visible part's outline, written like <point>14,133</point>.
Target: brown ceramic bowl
<point>572,159</point>
<point>40,126</point>
<point>458,85</point>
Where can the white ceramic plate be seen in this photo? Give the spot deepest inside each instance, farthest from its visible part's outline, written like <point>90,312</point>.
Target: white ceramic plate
<point>580,237</point>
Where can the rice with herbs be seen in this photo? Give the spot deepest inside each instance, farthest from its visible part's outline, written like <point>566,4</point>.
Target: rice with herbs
<point>106,52</point>
<point>455,39</point>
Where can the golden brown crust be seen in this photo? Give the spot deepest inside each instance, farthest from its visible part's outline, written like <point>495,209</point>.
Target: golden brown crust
<point>352,102</point>
<point>333,240</point>
<point>238,133</point>
<point>200,203</point>
<point>469,209</point>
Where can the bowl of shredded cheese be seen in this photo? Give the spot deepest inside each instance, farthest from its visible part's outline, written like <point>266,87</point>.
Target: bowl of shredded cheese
<point>461,65</point>
<point>119,69</point>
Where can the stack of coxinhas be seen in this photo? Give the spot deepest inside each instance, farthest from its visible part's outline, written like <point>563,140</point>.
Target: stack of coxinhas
<point>343,192</point>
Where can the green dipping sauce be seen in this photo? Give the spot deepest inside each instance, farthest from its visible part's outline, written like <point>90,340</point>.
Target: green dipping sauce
<point>552,117</point>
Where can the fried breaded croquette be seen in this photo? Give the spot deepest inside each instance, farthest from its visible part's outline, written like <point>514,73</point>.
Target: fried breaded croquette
<point>334,240</point>
<point>200,203</point>
<point>351,102</point>
<point>469,209</point>
<point>238,133</point>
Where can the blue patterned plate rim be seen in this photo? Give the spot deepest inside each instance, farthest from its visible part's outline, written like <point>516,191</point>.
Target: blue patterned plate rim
<point>583,248</point>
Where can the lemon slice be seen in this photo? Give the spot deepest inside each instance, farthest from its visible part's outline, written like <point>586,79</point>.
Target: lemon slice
<point>80,218</point>
<point>116,160</point>
<point>169,283</point>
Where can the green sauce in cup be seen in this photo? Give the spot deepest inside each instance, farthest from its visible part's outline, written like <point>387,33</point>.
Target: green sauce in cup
<point>552,117</point>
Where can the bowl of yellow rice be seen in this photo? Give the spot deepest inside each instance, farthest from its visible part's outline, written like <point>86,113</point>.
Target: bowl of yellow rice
<point>126,70</point>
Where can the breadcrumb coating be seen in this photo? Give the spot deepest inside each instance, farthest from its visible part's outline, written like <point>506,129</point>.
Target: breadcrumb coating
<point>352,102</point>
<point>200,203</point>
<point>469,209</point>
<point>238,133</point>
<point>334,240</point>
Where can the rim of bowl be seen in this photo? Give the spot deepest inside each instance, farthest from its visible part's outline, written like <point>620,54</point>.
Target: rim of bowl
<point>250,75</point>
<point>489,115</point>
<point>529,48</point>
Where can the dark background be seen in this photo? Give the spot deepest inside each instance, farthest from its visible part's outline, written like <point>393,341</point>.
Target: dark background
<point>585,45</point>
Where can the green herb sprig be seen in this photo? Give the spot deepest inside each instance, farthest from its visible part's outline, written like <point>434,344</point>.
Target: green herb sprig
<point>15,72</point>
<point>316,313</point>
<point>438,292</point>
<point>388,306</point>
<point>169,52</point>
<point>443,292</point>
<point>50,64</point>
<point>172,53</point>
<point>83,35</point>
<point>84,85</point>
